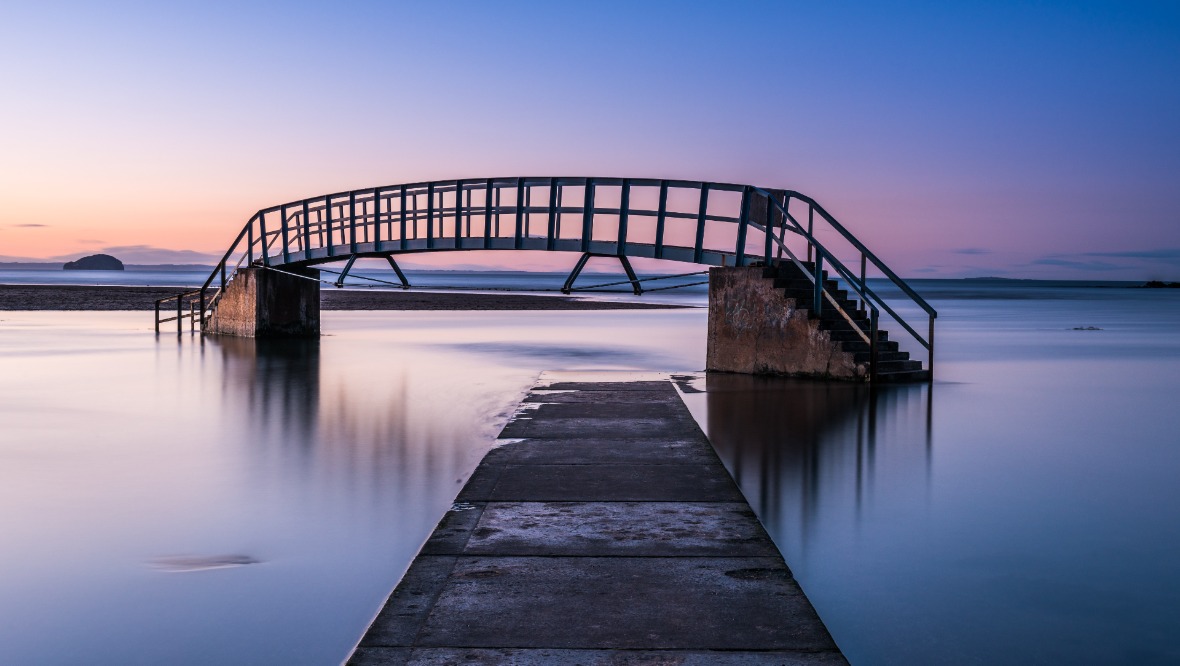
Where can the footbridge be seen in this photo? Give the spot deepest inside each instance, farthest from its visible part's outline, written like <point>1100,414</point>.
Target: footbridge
<point>792,291</point>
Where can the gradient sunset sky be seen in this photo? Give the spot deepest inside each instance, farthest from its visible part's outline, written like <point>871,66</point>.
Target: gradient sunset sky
<point>1031,139</point>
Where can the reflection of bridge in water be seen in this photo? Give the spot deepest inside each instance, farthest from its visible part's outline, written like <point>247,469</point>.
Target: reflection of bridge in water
<point>797,448</point>
<point>808,256</point>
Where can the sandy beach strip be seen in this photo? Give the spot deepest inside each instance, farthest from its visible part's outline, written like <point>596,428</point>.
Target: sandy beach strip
<point>73,297</point>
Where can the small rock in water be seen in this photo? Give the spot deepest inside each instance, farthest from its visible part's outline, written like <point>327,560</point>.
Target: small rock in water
<point>1086,328</point>
<point>196,563</point>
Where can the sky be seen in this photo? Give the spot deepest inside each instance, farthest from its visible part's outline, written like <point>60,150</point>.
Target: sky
<point>1015,139</point>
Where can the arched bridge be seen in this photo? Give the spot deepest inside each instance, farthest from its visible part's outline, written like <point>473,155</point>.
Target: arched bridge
<point>799,245</point>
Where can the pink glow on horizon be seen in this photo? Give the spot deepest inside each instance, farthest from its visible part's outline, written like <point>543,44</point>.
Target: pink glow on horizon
<point>953,142</point>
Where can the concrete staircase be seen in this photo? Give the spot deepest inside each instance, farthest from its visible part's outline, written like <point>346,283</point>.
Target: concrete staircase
<point>893,365</point>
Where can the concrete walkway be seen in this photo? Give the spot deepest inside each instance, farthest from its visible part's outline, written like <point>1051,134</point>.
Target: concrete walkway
<point>611,534</point>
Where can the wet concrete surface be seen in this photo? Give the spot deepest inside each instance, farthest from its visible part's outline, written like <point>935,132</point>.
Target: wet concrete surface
<point>611,534</point>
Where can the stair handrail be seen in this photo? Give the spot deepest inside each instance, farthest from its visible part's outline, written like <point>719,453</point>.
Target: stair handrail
<point>860,285</point>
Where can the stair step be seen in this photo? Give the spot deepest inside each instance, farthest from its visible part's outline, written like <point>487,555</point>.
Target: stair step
<point>895,366</point>
<point>803,284</point>
<point>903,377</point>
<point>848,308</point>
<point>859,345</point>
<point>842,322</point>
<point>882,355</point>
<point>849,335</point>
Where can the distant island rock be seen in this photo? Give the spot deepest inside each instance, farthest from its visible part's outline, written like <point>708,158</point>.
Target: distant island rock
<point>1157,284</point>
<point>95,262</point>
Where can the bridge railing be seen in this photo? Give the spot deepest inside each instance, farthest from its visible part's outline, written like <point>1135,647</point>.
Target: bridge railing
<point>692,221</point>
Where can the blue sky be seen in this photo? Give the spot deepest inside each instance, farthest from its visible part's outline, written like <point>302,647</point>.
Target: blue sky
<point>1019,139</point>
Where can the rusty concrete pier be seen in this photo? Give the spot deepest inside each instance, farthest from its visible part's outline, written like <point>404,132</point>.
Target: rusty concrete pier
<point>605,531</point>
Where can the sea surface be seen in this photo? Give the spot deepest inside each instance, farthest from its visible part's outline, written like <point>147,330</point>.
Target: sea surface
<point>185,501</point>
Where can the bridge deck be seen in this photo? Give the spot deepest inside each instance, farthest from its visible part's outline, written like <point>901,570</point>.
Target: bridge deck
<point>609,533</point>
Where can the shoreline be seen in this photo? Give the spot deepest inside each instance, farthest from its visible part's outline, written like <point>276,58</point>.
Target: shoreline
<point>97,297</point>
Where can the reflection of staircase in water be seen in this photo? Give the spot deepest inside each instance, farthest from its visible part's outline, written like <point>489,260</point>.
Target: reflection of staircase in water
<point>796,445</point>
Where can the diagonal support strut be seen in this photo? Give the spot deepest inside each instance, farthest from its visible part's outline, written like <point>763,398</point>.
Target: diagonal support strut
<point>586,256</point>
<point>344,273</point>
<point>397,269</point>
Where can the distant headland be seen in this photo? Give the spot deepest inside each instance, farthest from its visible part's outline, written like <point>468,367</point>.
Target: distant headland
<point>95,262</point>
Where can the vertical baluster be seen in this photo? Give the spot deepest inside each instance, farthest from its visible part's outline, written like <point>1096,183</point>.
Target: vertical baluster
<point>863,284</point>
<point>404,240</point>
<point>768,226</point>
<point>458,212</point>
<point>286,239</point>
<point>551,229</point>
<point>743,222</point>
<point>430,215</point>
<point>487,214</point>
<point>588,215</point>
<point>262,232</point>
<point>698,249</point>
<point>497,212</point>
<point>352,222</point>
<point>810,226</point>
<point>528,204</point>
<point>517,236</point>
<point>624,213</point>
<point>818,306</point>
<point>873,345</point>
<point>930,356</point>
<point>661,216</point>
<point>306,242</point>
<point>468,207</point>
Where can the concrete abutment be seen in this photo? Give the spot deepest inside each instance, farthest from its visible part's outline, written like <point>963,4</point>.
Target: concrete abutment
<point>755,329</point>
<point>264,303</point>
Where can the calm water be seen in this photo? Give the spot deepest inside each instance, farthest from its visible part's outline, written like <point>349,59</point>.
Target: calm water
<point>232,502</point>
<point>1027,510</point>
<point>129,465</point>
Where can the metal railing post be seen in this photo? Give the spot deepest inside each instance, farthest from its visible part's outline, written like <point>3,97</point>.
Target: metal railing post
<point>930,339</point>
<point>588,215</point>
<point>624,212</point>
<point>739,258</point>
<point>518,232</point>
<point>818,305</point>
<point>265,242</point>
<point>810,228</point>
<point>769,224</point>
<point>551,232</point>
<point>352,222</point>
<point>698,248</point>
<point>661,217</point>
<point>305,244</point>
<point>179,315</point>
<point>157,316</point>
<point>873,345</point>
<point>286,234</point>
<point>487,213</point>
<point>863,284</point>
<point>430,215</point>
